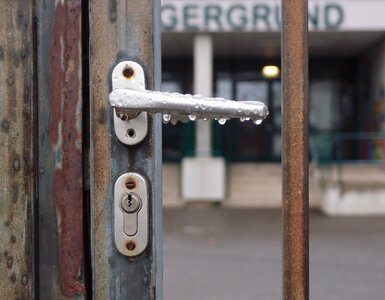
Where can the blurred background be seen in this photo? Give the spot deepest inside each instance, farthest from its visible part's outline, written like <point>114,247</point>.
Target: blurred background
<point>222,183</point>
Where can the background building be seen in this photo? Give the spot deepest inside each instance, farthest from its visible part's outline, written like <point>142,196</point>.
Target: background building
<point>220,48</point>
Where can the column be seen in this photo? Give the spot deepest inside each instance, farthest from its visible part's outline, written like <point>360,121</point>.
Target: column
<point>203,85</point>
<point>203,176</point>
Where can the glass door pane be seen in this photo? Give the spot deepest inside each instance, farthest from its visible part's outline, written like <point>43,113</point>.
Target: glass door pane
<point>276,116</point>
<point>251,142</point>
<point>323,105</point>
<point>171,135</point>
<point>252,90</point>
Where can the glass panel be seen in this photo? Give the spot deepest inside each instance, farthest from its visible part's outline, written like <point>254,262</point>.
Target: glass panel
<point>323,105</point>
<point>171,86</point>
<point>276,104</point>
<point>251,142</point>
<point>224,85</point>
<point>223,88</point>
<point>171,133</point>
<point>252,90</point>
<point>277,145</point>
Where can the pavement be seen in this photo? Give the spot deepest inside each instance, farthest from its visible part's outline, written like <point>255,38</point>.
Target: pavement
<point>221,253</point>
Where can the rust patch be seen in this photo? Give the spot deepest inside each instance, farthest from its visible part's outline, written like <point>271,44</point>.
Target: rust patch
<point>295,187</point>
<point>66,134</point>
<point>130,183</point>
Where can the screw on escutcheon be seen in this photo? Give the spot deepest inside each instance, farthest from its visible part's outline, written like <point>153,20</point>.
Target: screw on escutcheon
<point>128,72</point>
<point>130,245</point>
<point>130,183</point>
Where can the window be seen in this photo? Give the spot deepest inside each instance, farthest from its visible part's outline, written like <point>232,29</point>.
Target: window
<point>332,107</point>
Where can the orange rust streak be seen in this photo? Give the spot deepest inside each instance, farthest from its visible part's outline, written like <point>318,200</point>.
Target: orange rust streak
<point>295,188</point>
<point>66,97</point>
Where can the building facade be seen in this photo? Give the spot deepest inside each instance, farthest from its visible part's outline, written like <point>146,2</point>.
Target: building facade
<point>231,49</point>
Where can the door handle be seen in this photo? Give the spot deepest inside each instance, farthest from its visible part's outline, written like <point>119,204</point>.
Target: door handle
<point>131,103</point>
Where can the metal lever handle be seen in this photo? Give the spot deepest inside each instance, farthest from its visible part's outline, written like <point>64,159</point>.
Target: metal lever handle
<point>131,103</point>
<point>179,107</point>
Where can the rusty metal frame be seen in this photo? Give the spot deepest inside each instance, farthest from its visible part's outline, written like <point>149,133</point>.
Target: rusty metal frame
<point>17,164</point>
<point>42,96</point>
<point>295,190</point>
<point>60,154</point>
<point>123,30</point>
<point>119,30</point>
<point>41,146</point>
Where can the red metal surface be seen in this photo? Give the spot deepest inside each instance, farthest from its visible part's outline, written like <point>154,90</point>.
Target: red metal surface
<point>66,138</point>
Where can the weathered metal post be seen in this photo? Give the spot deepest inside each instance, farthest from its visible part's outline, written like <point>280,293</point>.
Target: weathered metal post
<point>43,57</point>
<point>59,56</point>
<point>295,150</point>
<point>119,31</point>
<point>17,182</point>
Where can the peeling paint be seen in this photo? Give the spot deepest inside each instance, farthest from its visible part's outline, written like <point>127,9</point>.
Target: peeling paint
<point>66,137</point>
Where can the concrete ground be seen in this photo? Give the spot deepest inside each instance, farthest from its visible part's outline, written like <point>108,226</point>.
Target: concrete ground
<point>221,253</point>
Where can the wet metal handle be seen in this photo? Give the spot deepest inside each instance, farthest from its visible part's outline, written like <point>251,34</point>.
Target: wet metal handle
<point>179,107</point>
<point>129,99</point>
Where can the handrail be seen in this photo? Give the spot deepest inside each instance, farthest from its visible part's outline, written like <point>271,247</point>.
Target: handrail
<point>327,147</point>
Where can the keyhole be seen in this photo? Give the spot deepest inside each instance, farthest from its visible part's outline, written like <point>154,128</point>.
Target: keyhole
<point>129,202</point>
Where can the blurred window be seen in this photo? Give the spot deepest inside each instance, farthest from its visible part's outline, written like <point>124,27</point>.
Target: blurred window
<point>332,107</point>
<point>176,140</point>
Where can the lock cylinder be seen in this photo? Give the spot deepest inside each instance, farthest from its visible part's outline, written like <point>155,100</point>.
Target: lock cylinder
<point>131,214</point>
<point>130,203</point>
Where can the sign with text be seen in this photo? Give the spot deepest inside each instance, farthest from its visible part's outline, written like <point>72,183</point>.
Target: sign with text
<point>258,15</point>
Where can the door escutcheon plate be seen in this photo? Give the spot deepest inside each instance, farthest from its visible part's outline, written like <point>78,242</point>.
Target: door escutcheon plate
<point>131,214</point>
<point>133,129</point>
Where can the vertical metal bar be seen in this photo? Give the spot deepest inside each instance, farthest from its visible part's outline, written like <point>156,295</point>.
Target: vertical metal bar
<point>295,150</point>
<point>123,30</point>
<point>60,186</point>
<point>16,148</point>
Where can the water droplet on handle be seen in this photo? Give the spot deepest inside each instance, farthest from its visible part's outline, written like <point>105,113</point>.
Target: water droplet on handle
<point>166,118</point>
<point>257,122</point>
<point>222,121</point>
<point>192,117</point>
